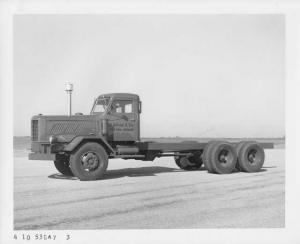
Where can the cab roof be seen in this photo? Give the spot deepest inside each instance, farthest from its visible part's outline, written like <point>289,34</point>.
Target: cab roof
<point>120,95</point>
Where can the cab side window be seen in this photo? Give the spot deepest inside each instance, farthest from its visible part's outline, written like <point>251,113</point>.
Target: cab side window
<point>122,106</point>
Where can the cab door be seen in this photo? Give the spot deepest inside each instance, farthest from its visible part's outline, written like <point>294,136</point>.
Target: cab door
<point>123,122</point>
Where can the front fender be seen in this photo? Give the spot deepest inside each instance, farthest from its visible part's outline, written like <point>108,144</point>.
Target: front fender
<point>71,146</point>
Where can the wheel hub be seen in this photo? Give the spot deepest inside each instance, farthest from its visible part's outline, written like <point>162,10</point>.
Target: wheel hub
<point>90,161</point>
<point>223,156</point>
<point>251,156</point>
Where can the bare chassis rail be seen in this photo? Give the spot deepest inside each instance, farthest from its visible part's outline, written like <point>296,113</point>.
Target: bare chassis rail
<point>184,146</point>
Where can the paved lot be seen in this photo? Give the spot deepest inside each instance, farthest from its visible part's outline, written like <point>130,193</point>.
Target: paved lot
<point>136,194</point>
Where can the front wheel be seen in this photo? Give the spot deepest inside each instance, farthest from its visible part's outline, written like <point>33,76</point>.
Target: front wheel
<point>89,162</point>
<point>193,162</point>
<point>62,164</point>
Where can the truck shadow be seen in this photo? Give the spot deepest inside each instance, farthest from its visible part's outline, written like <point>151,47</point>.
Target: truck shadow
<point>128,172</point>
<point>138,172</point>
<point>142,171</point>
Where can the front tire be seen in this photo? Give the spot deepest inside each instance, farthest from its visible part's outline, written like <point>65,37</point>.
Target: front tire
<point>89,162</point>
<point>189,163</point>
<point>62,164</point>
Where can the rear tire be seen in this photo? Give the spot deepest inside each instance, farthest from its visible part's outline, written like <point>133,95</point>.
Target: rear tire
<point>189,163</point>
<point>223,157</point>
<point>251,156</point>
<point>206,156</point>
<point>238,147</point>
<point>89,162</point>
<point>62,164</point>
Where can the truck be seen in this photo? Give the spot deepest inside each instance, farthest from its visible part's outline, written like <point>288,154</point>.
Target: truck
<point>81,145</point>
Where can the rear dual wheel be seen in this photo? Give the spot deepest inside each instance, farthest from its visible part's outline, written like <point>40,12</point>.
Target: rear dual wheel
<point>220,157</point>
<point>251,156</point>
<point>206,156</point>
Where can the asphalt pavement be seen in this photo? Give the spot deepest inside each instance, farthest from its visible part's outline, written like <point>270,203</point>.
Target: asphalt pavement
<point>149,195</point>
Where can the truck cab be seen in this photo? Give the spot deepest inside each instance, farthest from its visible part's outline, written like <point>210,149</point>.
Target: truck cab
<point>120,113</point>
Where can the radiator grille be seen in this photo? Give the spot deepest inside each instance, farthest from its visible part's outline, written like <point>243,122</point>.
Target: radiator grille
<point>34,130</point>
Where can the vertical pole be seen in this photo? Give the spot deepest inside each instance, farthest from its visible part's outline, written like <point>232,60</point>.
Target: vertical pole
<point>70,103</point>
<point>69,89</point>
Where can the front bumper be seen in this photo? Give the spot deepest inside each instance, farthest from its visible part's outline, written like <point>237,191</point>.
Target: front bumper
<point>41,156</point>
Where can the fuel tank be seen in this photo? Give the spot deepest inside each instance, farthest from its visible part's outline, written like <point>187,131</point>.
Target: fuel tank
<point>127,150</point>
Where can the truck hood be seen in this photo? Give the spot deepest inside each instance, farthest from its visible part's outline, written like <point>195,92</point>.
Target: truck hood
<point>64,127</point>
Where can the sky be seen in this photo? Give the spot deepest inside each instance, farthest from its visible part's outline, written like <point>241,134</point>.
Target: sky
<point>197,75</point>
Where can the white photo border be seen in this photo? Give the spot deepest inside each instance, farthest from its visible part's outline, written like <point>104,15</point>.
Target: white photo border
<point>289,234</point>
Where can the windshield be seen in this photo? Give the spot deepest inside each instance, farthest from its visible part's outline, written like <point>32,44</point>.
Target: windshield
<point>100,105</point>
